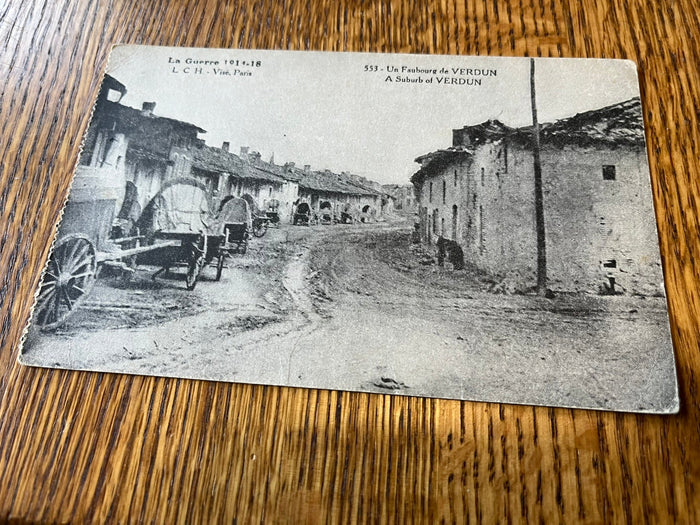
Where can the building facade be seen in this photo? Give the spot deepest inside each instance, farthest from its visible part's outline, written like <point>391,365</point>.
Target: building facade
<point>142,151</point>
<point>598,208</point>
<point>404,197</point>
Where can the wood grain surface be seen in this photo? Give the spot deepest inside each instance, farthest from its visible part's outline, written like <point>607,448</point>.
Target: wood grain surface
<point>85,447</point>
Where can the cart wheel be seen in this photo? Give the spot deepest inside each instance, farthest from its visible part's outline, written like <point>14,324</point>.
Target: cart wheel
<point>69,277</point>
<point>260,228</point>
<point>192,274</point>
<point>220,266</point>
<point>196,263</point>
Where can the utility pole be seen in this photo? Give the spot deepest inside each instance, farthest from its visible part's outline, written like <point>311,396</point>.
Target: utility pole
<point>539,199</point>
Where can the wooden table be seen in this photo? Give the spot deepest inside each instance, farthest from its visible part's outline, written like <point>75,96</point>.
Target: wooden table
<point>77,447</point>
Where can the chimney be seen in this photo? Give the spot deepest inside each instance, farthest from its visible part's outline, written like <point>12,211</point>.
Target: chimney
<point>307,168</point>
<point>244,152</point>
<point>254,156</point>
<point>225,146</point>
<point>147,108</point>
<point>288,165</point>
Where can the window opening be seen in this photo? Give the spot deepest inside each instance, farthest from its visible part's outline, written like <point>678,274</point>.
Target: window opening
<point>608,172</point>
<point>454,222</point>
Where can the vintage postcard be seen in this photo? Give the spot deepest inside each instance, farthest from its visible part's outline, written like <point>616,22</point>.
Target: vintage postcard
<point>474,228</point>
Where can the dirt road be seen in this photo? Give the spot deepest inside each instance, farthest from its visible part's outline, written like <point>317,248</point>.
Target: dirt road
<point>355,308</point>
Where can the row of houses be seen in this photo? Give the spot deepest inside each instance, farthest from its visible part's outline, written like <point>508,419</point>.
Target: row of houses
<point>144,151</point>
<point>599,218</point>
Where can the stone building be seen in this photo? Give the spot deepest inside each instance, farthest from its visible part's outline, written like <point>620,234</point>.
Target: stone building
<point>404,197</point>
<point>225,173</point>
<point>338,192</point>
<point>599,217</point>
<point>140,151</point>
<point>146,148</point>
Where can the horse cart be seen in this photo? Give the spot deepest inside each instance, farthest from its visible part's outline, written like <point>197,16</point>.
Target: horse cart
<point>84,245</point>
<point>325,214</point>
<point>234,223</point>
<point>302,214</point>
<point>181,214</point>
<point>260,220</point>
<point>273,213</point>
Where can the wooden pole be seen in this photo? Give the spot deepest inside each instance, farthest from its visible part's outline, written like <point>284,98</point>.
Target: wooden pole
<point>539,199</point>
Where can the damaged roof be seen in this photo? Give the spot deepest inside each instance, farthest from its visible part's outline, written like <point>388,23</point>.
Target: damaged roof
<point>619,124</point>
<point>217,160</point>
<point>149,135</point>
<point>325,182</point>
<point>436,161</point>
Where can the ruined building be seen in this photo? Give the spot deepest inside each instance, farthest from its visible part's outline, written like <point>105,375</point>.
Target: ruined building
<point>225,173</point>
<point>142,147</point>
<point>140,151</point>
<point>404,197</point>
<point>599,216</point>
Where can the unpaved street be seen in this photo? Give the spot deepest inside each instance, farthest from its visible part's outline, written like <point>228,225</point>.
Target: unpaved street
<point>354,307</point>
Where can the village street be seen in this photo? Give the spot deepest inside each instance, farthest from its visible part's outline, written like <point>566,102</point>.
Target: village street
<point>356,307</point>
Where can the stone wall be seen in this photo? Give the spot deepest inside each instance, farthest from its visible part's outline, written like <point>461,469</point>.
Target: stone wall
<point>595,228</point>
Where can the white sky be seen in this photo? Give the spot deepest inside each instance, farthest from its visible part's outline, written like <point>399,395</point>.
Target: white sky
<point>323,109</point>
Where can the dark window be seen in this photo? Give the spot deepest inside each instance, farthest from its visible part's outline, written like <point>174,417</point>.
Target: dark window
<point>444,191</point>
<point>455,177</point>
<point>482,176</point>
<point>611,263</point>
<point>454,222</point>
<point>505,158</point>
<point>481,229</point>
<point>608,172</point>
<point>430,196</point>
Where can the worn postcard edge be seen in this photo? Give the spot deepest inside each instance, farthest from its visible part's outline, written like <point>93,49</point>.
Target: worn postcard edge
<point>673,408</point>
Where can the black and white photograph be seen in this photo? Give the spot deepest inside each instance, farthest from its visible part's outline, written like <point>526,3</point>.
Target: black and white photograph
<point>473,228</point>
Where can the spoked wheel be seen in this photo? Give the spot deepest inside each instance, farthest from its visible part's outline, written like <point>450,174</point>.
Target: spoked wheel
<point>69,277</point>
<point>220,266</point>
<point>260,228</point>
<point>196,262</point>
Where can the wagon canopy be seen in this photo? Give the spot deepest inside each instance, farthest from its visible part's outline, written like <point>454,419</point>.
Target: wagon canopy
<point>254,209</point>
<point>181,206</point>
<point>303,209</point>
<point>233,211</point>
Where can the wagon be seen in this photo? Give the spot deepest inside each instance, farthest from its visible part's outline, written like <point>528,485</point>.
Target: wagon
<point>346,215</point>
<point>273,213</point>
<point>326,215</point>
<point>260,220</point>
<point>180,214</point>
<point>233,224</point>
<point>84,244</point>
<point>302,215</point>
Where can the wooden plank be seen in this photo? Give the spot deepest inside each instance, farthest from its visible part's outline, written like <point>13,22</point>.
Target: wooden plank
<point>121,254</point>
<point>77,447</point>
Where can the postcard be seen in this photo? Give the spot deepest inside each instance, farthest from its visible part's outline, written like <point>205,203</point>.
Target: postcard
<point>473,228</point>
